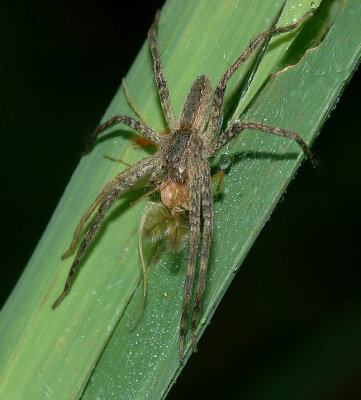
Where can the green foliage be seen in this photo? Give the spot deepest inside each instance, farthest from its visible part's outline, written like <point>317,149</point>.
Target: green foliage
<point>93,333</point>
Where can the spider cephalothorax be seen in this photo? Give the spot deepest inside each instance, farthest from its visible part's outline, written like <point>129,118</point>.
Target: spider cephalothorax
<point>182,168</point>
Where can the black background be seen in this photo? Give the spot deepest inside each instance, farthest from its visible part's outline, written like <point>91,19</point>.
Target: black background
<point>61,63</point>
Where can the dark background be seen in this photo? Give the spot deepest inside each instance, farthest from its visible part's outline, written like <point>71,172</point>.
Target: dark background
<point>300,286</point>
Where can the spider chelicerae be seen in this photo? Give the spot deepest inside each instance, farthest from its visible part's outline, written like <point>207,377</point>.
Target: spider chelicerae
<point>180,169</point>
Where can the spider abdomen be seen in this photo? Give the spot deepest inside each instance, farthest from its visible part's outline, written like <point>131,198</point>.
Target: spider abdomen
<point>175,195</point>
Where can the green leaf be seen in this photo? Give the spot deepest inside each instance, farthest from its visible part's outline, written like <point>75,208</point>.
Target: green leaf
<point>93,333</point>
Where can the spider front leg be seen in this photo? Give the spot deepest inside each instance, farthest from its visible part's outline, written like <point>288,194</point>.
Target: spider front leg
<point>238,127</point>
<point>216,110</point>
<point>194,221</point>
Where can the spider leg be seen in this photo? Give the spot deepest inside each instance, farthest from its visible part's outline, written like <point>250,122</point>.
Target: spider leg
<point>237,127</point>
<point>216,110</point>
<point>194,221</point>
<point>109,186</point>
<point>131,122</point>
<point>143,167</point>
<point>132,104</point>
<point>207,211</point>
<point>160,80</point>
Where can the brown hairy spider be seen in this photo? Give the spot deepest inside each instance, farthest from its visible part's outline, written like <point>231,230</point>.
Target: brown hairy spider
<point>181,165</point>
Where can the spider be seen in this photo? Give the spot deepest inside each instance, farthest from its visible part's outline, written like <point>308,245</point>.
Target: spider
<point>181,165</point>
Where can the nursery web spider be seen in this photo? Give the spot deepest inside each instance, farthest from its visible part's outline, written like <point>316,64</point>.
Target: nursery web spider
<point>181,166</point>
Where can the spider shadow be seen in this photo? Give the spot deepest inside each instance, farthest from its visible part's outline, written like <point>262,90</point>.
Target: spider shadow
<point>261,155</point>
